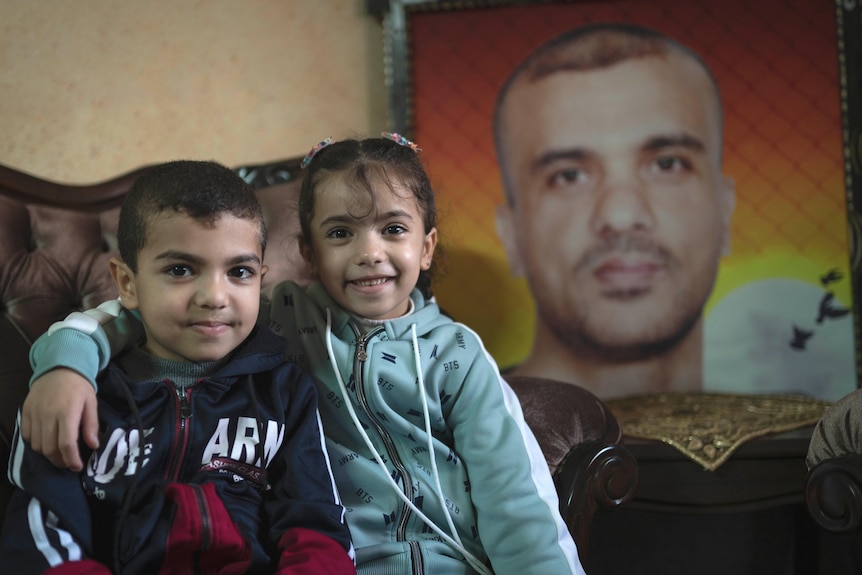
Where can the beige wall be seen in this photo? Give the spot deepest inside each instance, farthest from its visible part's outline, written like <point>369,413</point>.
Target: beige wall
<point>92,88</point>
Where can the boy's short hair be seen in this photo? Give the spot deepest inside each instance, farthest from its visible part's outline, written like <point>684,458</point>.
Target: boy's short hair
<point>202,190</point>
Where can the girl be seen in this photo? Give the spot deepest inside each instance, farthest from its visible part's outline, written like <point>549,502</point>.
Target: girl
<point>428,445</point>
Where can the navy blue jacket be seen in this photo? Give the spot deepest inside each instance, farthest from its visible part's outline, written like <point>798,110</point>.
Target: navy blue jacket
<point>229,473</point>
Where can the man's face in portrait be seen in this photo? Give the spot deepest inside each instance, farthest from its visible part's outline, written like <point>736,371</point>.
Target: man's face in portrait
<point>621,211</point>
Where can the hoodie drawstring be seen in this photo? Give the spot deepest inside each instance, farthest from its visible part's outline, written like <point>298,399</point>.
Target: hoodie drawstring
<point>129,497</point>
<point>456,542</point>
<point>436,474</point>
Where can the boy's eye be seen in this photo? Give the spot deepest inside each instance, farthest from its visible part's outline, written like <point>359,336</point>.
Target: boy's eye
<point>179,270</point>
<point>242,272</point>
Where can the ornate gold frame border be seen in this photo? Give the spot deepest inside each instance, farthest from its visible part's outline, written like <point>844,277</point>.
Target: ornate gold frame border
<point>395,16</point>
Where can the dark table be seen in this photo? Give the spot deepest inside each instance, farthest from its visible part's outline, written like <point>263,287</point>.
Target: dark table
<point>765,472</point>
<point>746,517</point>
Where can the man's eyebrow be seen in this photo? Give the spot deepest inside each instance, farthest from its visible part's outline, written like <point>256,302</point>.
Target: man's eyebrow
<point>176,255</point>
<point>652,144</point>
<point>551,156</point>
<point>674,141</point>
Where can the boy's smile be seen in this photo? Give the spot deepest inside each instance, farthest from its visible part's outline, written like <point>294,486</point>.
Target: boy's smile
<point>197,287</point>
<point>368,252</point>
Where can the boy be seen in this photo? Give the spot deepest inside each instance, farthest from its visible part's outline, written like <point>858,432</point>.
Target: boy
<point>211,454</point>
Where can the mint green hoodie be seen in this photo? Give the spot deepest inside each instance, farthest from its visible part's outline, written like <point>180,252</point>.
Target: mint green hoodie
<point>493,480</point>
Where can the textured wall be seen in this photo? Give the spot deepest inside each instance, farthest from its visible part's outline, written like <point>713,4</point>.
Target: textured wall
<point>92,88</point>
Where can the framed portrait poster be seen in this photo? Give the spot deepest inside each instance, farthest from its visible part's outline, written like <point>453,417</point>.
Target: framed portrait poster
<point>781,313</point>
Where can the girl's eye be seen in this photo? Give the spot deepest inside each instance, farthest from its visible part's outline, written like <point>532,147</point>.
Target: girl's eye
<point>179,270</point>
<point>241,272</point>
<point>338,234</point>
<point>394,229</point>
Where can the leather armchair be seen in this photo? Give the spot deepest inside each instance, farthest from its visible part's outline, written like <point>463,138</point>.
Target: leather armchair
<point>582,443</point>
<point>55,241</point>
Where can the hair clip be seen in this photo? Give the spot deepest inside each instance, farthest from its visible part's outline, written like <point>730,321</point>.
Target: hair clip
<point>399,139</point>
<point>319,146</point>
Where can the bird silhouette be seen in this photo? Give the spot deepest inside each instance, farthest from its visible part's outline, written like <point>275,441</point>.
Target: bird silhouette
<point>827,310</point>
<point>831,276</point>
<point>800,337</point>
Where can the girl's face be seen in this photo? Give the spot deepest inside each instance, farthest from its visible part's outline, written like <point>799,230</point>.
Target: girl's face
<point>370,264</point>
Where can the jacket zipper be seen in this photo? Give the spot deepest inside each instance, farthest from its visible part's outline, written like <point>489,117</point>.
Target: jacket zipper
<point>184,412</point>
<point>205,526</point>
<point>417,565</point>
<point>406,482</point>
<point>205,517</point>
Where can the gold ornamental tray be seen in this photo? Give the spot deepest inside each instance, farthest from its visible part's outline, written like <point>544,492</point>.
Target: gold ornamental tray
<point>709,427</point>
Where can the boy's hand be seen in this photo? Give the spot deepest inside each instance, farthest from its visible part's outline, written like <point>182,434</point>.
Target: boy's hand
<point>60,402</point>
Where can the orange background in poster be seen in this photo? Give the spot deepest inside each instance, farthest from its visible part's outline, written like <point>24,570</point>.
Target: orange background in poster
<point>777,67</point>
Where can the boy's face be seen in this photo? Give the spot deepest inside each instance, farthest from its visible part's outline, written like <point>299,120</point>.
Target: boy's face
<point>197,287</point>
<point>368,265</point>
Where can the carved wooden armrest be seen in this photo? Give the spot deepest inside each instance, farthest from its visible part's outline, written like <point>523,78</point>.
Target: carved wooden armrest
<point>594,475</point>
<point>582,443</point>
<point>833,493</point>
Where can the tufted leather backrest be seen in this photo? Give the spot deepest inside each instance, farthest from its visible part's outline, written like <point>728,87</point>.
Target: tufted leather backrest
<point>55,242</point>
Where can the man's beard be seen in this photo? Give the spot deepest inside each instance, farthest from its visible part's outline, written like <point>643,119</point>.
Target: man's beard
<point>591,339</point>
<point>594,344</point>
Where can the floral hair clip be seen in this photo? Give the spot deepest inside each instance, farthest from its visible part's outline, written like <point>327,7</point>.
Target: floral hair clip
<point>319,146</point>
<point>399,139</point>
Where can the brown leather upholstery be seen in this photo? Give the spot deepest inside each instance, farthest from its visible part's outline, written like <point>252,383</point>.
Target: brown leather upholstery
<point>54,245</point>
<point>55,241</point>
<point>546,401</point>
<point>582,443</point>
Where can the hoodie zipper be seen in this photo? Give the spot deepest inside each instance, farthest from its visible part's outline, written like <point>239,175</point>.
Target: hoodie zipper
<point>406,481</point>
<point>184,412</point>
